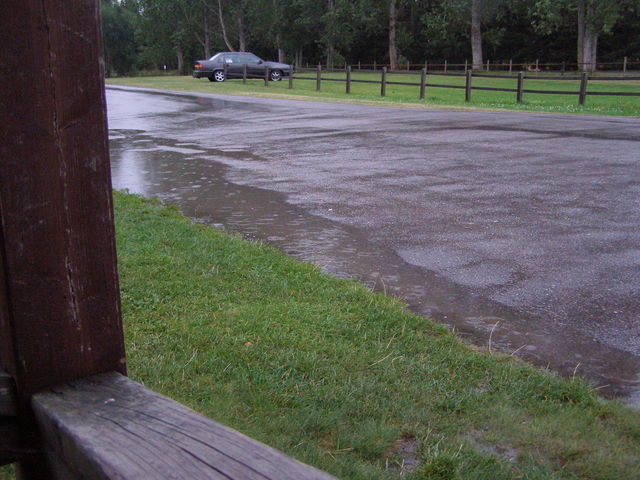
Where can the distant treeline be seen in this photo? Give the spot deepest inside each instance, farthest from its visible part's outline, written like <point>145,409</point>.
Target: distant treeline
<point>159,34</point>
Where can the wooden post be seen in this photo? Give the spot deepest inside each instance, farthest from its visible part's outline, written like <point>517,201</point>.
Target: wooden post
<point>510,65</point>
<point>537,64</point>
<point>59,295</point>
<point>359,66</point>
<point>348,82</point>
<point>466,65</point>
<point>423,83</point>
<point>266,76</point>
<point>426,66</point>
<point>467,88</point>
<point>564,67</point>
<point>383,82</point>
<point>624,65</point>
<point>487,65</point>
<point>244,73</point>
<point>318,79</point>
<point>374,65</point>
<point>408,65</point>
<point>293,68</point>
<point>583,88</point>
<point>225,70</point>
<point>520,87</point>
<point>445,66</point>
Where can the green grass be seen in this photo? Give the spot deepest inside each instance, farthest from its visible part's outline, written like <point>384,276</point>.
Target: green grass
<point>336,375</point>
<point>408,95</point>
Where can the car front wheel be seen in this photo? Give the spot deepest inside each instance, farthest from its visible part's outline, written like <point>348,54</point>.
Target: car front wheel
<point>276,75</point>
<point>218,76</point>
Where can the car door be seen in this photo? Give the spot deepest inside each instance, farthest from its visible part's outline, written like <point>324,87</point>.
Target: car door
<point>234,64</point>
<point>255,66</point>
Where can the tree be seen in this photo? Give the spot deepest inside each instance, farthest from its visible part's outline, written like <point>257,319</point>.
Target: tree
<point>118,31</point>
<point>594,18</point>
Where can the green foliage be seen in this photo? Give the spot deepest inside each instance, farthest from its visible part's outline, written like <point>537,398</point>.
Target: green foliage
<point>118,31</point>
<point>172,31</point>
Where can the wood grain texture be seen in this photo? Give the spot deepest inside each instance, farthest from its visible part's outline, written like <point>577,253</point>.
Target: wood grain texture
<point>108,427</point>
<point>59,312</point>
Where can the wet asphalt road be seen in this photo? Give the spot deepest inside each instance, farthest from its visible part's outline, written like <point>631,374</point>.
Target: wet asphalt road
<point>524,224</point>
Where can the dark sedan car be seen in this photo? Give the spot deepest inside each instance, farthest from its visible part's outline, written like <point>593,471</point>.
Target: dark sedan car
<point>213,69</point>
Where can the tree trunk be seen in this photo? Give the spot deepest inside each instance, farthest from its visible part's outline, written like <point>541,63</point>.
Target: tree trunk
<point>476,35</point>
<point>280,50</point>
<point>180,57</point>
<point>393,49</point>
<point>222,27</point>
<point>587,36</point>
<point>206,40</point>
<point>331,34</point>
<point>242,38</point>
<point>581,25</point>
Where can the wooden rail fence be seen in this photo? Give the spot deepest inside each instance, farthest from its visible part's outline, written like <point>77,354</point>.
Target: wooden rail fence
<point>469,75</point>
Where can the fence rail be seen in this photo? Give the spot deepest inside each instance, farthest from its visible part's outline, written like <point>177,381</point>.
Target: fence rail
<point>469,75</point>
<point>623,66</point>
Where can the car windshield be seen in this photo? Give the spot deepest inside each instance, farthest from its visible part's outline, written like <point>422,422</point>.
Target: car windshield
<point>216,57</point>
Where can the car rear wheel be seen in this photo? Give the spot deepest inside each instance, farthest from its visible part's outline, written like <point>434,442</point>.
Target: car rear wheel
<point>218,76</point>
<point>276,75</point>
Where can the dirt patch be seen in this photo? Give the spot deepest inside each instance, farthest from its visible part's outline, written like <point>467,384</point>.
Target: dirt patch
<point>505,452</point>
<point>404,456</point>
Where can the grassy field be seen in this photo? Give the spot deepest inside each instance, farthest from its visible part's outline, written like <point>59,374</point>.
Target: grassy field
<point>408,95</point>
<point>340,377</point>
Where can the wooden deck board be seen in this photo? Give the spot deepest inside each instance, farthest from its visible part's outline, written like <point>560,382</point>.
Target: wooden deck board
<point>109,427</point>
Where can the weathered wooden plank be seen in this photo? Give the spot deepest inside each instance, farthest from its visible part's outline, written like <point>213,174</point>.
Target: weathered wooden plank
<point>60,313</point>
<point>108,426</point>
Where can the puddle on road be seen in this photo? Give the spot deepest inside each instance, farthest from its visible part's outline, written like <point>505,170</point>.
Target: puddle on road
<point>179,173</point>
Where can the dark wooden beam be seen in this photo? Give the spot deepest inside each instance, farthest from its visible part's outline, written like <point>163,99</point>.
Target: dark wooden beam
<point>15,443</point>
<point>59,301</point>
<point>108,427</point>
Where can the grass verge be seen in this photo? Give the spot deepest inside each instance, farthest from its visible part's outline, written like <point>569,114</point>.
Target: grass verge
<point>340,377</point>
<point>398,95</point>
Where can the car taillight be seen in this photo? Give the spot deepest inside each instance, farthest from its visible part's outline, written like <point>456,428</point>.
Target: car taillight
<point>199,66</point>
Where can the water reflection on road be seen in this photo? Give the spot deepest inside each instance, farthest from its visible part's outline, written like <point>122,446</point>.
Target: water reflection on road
<point>203,182</point>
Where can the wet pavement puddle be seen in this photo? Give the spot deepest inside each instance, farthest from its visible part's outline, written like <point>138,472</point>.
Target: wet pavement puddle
<point>197,180</point>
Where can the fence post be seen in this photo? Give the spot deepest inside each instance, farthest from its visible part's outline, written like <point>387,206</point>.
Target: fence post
<point>383,82</point>
<point>564,67</point>
<point>359,67</point>
<point>466,65</point>
<point>266,77</point>
<point>348,87</point>
<point>244,73</point>
<point>225,70</point>
<point>426,66</point>
<point>445,66</point>
<point>537,63</point>
<point>408,65</point>
<point>467,88</point>
<point>293,68</point>
<point>624,66</point>
<point>520,86</point>
<point>487,65</point>
<point>510,65</point>
<point>374,65</point>
<point>583,88</point>
<point>423,83</point>
<point>318,73</point>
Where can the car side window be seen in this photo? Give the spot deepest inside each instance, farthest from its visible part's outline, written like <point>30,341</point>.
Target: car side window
<point>251,58</point>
